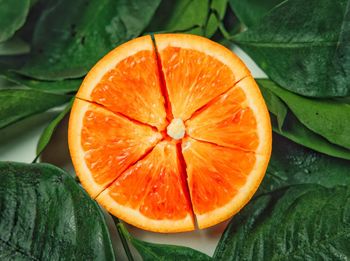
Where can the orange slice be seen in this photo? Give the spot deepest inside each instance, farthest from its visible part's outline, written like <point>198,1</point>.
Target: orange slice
<point>221,180</point>
<point>196,71</point>
<point>103,144</point>
<point>230,119</point>
<point>166,133</point>
<point>127,81</point>
<point>152,194</point>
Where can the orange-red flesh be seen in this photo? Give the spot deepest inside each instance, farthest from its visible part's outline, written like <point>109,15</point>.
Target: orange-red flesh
<point>155,187</point>
<point>227,121</point>
<point>132,86</point>
<point>148,174</point>
<point>109,143</point>
<point>225,169</point>
<point>192,74</point>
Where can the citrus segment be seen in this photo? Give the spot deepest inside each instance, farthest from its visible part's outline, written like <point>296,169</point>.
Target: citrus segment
<point>152,194</point>
<point>220,179</point>
<point>196,71</point>
<point>230,120</point>
<point>127,81</point>
<point>104,144</point>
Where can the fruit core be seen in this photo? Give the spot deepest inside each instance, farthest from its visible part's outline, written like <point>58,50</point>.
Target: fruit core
<point>176,129</point>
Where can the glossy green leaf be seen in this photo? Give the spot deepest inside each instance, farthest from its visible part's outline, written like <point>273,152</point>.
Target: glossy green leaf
<point>49,130</point>
<point>304,47</point>
<point>16,104</point>
<point>275,105</point>
<point>294,130</point>
<point>46,215</point>
<point>157,252</point>
<point>303,222</point>
<point>60,86</point>
<point>217,13</point>
<point>328,118</point>
<point>291,163</point>
<point>286,124</point>
<point>14,46</point>
<point>250,12</point>
<point>188,16</point>
<point>13,14</point>
<point>69,47</point>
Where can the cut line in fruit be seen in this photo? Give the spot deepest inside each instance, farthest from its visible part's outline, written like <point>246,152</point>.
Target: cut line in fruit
<point>168,132</point>
<point>127,81</point>
<point>96,131</point>
<point>152,194</point>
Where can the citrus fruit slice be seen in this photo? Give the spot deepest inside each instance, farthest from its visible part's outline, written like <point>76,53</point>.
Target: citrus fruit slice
<point>220,179</point>
<point>170,132</point>
<point>127,81</point>
<point>104,144</point>
<point>152,194</point>
<point>230,119</point>
<point>196,71</point>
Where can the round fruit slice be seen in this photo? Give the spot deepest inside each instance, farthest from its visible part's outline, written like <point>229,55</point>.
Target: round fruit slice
<point>127,81</point>
<point>169,132</point>
<point>196,71</point>
<point>221,180</point>
<point>152,194</point>
<point>230,120</point>
<point>103,144</point>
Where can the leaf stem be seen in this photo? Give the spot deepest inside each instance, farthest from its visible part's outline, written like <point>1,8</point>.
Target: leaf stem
<point>124,237</point>
<point>225,33</point>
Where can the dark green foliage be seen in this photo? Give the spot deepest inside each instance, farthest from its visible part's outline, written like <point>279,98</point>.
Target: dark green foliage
<point>46,215</point>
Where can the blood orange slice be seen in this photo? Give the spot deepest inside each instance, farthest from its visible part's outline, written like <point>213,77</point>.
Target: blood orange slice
<point>230,119</point>
<point>196,71</point>
<point>170,131</point>
<point>104,144</point>
<point>152,194</point>
<point>221,180</point>
<point>127,81</point>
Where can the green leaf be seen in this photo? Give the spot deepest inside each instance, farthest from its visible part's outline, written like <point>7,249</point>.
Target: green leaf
<point>13,15</point>
<point>218,10</point>
<point>14,46</point>
<point>154,252</point>
<point>69,47</point>
<point>291,163</point>
<point>49,130</point>
<point>327,118</point>
<point>294,130</point>
<point>60,86</point>
<point>188,16</point>
<point>46,215</point>
<point>304,222</point>
<point>290,127</point>
<point>304,47</point>
<point>16,104</point>
<point>250,12</point>
<point>275,105</point>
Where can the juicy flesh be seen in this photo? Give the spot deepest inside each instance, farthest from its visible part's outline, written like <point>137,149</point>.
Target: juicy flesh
<point>215,173</point>
<point>227,121</point>
<point>155,185</point>
<point>111,143</point>
<point>217,138</point>
<point>133,89</point>
<point>193,79</point>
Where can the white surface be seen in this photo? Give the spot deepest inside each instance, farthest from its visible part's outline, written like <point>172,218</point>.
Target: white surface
<point>18,143</point>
